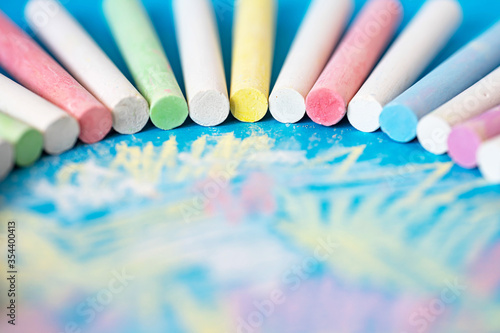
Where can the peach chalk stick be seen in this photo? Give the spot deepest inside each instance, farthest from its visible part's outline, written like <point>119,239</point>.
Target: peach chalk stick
<point>202,63</point>
<point>465,139</point>
<point>31,66</point>
<point>433,129</point>
<point>318,34</point>
<point>405,61</point>
<point>85,60</point>
<point>352,62</point>
<point>6,158</point>
<point>488,157</point>
<point>60,130</point>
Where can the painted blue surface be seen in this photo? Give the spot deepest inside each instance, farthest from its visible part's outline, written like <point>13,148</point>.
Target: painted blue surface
<point>259,227</point>
<point>399,119</point>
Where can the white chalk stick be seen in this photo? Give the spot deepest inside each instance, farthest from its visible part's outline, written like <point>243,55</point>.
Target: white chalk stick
<point>60,131</point>
<point>85,60</point>
<point>488,157</point>
<point>317,36</point>
<point>202,64</point>
<point>434,129</point>
<point>6,158</point>
<point>405,61</point>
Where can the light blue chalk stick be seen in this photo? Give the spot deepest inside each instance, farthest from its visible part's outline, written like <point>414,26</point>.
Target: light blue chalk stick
<point>400,117</point>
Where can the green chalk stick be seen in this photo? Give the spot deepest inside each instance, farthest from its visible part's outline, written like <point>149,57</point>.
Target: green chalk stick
<point>27,142</point>
<point>146,60</point>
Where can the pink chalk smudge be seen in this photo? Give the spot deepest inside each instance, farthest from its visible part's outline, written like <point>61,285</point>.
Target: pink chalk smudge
<point>31,319</point>
<point>485,272</point>
<point>255,197</point>
<point>325,305</point>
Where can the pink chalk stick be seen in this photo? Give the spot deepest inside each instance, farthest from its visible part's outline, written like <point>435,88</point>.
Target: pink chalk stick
<point>353,61</point>
<point>32,67</point>
<point>465,139</point>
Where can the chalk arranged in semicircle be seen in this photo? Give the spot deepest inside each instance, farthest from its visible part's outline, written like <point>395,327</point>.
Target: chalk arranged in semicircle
<point>318,35</point>
<point>27,141</point>
<point>353,61</point>
<point>404,62</point>
<point>253,46</point>
<point>147,61</point>
<point>488,157</point>
<point>433,129</point>
<point>202,63</point>
<point>31,66</point>
<point>60,130</point>
<point>6,158</point>
<point>85,60</point>
<point>465,139</point>
<point>400,117</point>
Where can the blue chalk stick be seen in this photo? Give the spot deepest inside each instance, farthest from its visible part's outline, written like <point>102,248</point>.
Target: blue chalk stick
<point>467,66</point>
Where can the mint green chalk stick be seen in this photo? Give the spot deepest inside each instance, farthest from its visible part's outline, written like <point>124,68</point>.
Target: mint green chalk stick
<point>27,141</point>
<point>146,60</point>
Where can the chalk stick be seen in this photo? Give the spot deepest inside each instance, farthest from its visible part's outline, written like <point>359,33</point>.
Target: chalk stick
<point>147,61</point>
<point>31,66</point>
<point>488,157</point>
<point>253,45</point>
<point>404,62</point>
<point>314,43</point>
<point>433,129</point>
<point>27,141</point>
<point>353,60</point>
<point>60,130</point>
<point>85,60</point>
<point>202,64</point>
<point>400,117</point>
<point>466,138</point>
<point>6,158</point>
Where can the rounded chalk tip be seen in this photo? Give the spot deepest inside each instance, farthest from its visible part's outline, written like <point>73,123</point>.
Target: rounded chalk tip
<point>325,107</point>
<point>433,132</point>
<point>489,161</point>
<point>7,158</point>
<point>363,113</point>
<point>249,105</point>
<point>29,148</point>
<point>399,123</point>
<point>169,112</point>
<point>95,124</point>
<point>130,115</point>
<point>61,135</point>
<point>451,7</point>
<point>287,105</point>
<point>463,144</point>
<point>209,108</point>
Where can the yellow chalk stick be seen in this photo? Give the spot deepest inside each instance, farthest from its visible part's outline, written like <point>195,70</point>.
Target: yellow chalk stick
<point>252,59</point>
